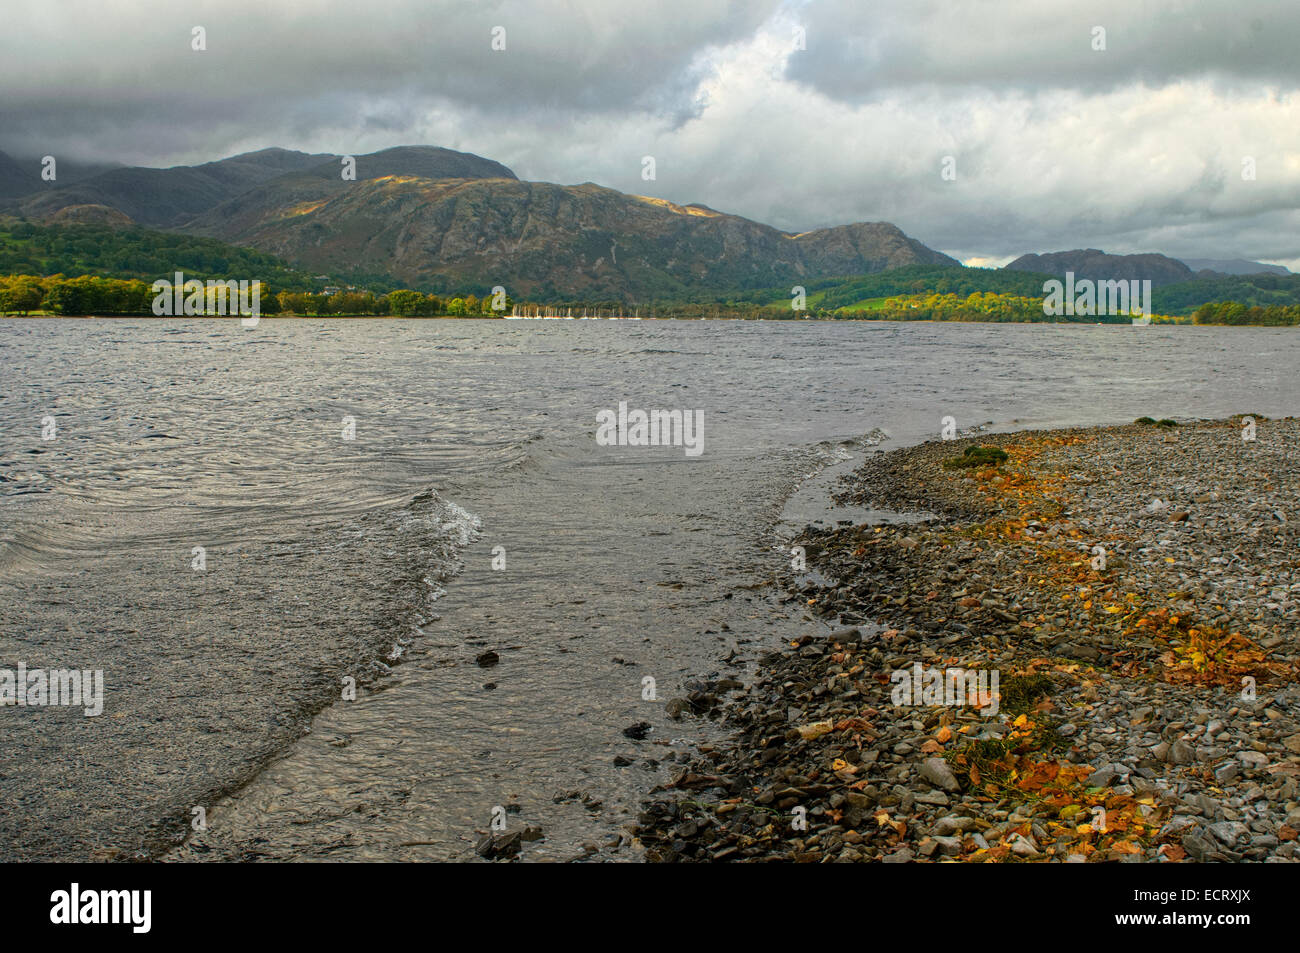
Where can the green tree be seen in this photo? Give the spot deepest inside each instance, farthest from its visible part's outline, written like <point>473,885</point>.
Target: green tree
<point>404,303</point>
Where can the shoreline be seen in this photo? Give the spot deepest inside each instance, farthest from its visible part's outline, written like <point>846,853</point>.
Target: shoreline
<point>1120,729</point>
<point>1187,322</point>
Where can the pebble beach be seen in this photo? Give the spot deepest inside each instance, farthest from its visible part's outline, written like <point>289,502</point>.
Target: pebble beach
<point>1133,592</point>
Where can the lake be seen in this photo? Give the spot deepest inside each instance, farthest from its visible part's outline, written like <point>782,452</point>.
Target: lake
<point>236,524</point>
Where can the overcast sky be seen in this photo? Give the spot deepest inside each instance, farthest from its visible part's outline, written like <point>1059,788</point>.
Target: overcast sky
<point>1055,144</point>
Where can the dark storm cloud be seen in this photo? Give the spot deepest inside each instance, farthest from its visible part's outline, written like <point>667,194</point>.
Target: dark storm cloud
<point>125,76</point>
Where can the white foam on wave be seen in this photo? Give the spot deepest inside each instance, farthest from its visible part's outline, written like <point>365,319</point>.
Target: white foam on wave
<point>465,525</point>
<point>431,532</point>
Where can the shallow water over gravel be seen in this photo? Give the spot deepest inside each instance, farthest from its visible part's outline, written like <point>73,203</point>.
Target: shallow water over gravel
<point>325,555</point>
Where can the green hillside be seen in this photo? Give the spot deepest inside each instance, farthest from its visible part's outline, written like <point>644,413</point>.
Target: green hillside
<point>134,252</point>
<point>1261,290</point>
<point>868,292</point>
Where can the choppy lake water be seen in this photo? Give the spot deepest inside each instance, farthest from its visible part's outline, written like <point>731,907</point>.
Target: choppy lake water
<point>371,558</point>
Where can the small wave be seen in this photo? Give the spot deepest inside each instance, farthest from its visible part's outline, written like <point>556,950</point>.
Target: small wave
<point>450,522</point>
<point>545,451</point>
<point>411,553</point>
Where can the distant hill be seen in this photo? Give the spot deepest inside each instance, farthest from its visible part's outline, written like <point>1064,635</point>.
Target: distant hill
<point>1260,289</point>
<point>863,248</point>
<point>864,291</point>
<point>19,177</point>
<point>543,240</point>
<point>294,195</point>
<point>170,198</point>
<point>1096,265</point>
<point>114,250</point>
<point>1233,266</point>
<point>868,292</point>
<point>167,197</point>
<point>88,215</point>
<point>426,162</point>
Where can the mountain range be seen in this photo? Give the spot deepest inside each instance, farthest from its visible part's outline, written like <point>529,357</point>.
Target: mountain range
<point>433,217</point>
<point>1161,270</point>
<point>1233,266</point>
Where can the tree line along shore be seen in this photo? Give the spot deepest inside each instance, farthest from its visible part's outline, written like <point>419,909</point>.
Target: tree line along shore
<point>87,295</point>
